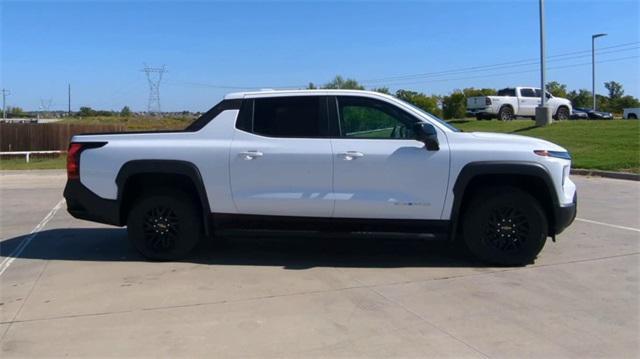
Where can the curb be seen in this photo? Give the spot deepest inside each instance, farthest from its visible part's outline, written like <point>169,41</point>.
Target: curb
<point>606,174</point>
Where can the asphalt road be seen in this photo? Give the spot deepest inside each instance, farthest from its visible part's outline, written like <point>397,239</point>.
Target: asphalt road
<point>74,288</point>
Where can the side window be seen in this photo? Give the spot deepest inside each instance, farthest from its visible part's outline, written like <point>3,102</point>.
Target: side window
<point>507,92</point>
<point>527,93</point>
<point>368,118</point>
<point>284,117</point>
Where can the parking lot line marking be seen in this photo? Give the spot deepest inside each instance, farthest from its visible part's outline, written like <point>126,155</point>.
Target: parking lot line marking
<point>25,242</point>
<point>608,224</point>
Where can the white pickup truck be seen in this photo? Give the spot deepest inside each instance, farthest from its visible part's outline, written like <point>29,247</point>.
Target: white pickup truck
<point>325,160</point>
<point>516,102</point>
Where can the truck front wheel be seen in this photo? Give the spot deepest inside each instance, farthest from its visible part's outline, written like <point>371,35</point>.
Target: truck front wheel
<point>505,113</point>
<point>505,226</point>
<point>562,114</point>
<point>164,224</point>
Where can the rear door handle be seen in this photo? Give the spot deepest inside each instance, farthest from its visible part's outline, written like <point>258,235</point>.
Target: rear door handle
<point>351,155</point>
<point>249,155</point>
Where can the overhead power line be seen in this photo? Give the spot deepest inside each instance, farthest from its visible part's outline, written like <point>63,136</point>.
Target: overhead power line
<point>409,82</point>
<point>510,64</point>
<point>414,78</point>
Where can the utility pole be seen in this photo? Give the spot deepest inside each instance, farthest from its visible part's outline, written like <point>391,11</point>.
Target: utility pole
<point>543,113</point>
<point>593,67</point>
<point>5,92</point>
<point>69,95</point>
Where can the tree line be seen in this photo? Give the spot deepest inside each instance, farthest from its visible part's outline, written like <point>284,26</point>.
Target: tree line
<point>454,105</point>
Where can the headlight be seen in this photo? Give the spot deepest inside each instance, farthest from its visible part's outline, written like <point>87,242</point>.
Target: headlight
<point>557,154</point>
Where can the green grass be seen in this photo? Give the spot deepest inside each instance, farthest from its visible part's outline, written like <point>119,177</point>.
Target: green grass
<point>605,145</point>
<point>135,123</point>
<point>34,163</point>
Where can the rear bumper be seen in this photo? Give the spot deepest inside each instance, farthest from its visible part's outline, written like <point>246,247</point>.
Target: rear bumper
<point>565,214</point>
<point>84,204</point>
<point>478,111</point>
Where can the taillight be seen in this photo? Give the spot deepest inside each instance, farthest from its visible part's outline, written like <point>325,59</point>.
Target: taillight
<point>487,101</point>
<point>73,161</point>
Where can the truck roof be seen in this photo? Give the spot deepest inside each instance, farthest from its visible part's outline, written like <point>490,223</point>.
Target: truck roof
<point>274,93</point>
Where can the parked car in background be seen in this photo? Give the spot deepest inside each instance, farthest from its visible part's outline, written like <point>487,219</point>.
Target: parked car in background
<point>516,102</point>
<point>577,114</point>
<point>596,115</point>
<point>631,113</point>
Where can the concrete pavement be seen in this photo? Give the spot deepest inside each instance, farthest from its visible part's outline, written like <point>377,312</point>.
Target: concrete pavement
<point>79,289</point>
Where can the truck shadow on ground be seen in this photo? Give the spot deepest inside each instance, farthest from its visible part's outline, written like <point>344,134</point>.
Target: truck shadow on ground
<point>291,251</point>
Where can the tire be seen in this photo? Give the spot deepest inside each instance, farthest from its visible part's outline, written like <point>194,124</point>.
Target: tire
<point>562,114</point>
<point>505,113</point>
<point>501,209</point>
<point>164,225</point>
<point>479,117</point>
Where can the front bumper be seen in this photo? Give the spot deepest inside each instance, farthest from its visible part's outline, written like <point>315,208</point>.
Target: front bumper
<point>84,204</point>
<point>565,215</point>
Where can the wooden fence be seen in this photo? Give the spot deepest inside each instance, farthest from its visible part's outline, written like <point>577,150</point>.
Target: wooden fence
<point>45,136</point>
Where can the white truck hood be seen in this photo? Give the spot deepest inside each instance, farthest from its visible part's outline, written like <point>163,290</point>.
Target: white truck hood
<point>517,140</point>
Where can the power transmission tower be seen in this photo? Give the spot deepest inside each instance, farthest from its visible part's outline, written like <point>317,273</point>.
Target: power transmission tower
<point>45,105</point>
<point>5,92</point>
<point>154,77</point>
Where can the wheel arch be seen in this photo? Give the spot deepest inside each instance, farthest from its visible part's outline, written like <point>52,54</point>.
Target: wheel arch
<point>528,176</point>
<point>137,175</point>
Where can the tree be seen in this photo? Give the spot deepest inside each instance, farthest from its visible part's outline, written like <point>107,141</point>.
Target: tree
<point>557,89</point>
<point>473,92</point>
<point>581,98</point>
<point>384,90</point>
<point>427,103</point>
<point>125,112</point>
<point>311,86</point>
<point>340,83</point>
<point>454,105</point>
<point>15,112</point>
<point>615,89</point>
<point>86,111</point>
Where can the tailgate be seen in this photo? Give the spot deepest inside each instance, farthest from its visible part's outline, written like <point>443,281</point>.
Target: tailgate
<point>477,102</point>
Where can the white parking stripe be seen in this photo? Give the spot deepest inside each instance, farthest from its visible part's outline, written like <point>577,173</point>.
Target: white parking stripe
<point>608,225</point>
<point>25,242</point>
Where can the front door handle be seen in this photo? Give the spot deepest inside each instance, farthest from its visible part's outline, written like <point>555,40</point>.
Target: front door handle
<point>351,155</point>
<point>249,155</point>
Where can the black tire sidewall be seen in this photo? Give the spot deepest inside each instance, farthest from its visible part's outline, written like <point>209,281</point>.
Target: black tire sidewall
<point>504,110</point>
<point>566,114</point>
<point>189,224</point>
<point>476,218</point>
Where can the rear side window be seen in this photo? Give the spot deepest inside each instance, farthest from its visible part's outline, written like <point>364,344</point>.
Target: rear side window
<point>507,92</point>
<point>527,93</point>
<point>284,117</point>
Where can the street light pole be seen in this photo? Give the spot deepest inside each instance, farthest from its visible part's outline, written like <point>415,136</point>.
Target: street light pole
<point>593,66</point>
<point>543,113</point>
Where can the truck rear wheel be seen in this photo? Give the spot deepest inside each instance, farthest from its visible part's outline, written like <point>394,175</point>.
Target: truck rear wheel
<point>164,225</point>
<point>505,226</point>
<point>505,113</point>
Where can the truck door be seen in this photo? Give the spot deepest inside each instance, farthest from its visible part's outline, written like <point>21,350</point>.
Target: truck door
<point>280,158</point>
<point>527,102</point>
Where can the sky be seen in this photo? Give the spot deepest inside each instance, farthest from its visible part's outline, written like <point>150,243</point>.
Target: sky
<point>211,48</point>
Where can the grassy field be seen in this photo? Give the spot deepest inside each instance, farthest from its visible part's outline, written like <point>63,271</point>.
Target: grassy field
<point>135,123</point>
<point>605,145</point>
<point>34,163</point>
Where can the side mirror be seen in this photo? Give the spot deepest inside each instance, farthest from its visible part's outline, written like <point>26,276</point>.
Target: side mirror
<point>427,134</point>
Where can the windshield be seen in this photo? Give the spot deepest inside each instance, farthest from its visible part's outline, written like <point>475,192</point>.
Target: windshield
<point>431,116</point>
